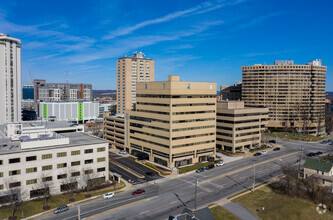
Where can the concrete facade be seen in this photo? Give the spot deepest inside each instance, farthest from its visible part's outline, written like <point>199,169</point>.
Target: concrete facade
<point>10,79</point>
<point>294,94</point>
<point>238,127</point>
<point>131,70</point>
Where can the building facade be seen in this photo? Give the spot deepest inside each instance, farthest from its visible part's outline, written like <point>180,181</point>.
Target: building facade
<point>238,127</point>
<point>131,70</point>
<point>294,94</point>
<point>32,157</point>
<point>320,170</point>
<point>231,92</point>
<point>10,79</point>
<point>114,130</point>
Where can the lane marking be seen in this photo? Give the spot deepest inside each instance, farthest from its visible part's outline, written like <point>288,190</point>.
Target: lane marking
<point>144,212</point>
<point>173,202</point>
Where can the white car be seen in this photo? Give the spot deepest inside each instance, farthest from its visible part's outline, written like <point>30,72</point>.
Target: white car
<point>219,164</point>
<point>123,152</point>
<point>264,152</point>
<point>108,195</point>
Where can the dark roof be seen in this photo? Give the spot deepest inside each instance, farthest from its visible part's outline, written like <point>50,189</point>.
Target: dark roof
<point>318,165</point>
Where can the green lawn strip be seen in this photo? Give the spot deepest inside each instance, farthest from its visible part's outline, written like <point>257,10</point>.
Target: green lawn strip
<point>33,207</point>
<point>163,172</point>
<point>194,167</point>
<point>221,213</point>
<point>279,206</point>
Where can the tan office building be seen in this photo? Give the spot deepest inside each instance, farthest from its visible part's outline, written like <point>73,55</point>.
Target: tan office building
<point>294,94</point>
<point>239,127</point>
<point>131,70</point>
<point>114,130</point>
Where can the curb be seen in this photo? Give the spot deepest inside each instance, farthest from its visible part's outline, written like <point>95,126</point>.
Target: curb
<point>136,160</point>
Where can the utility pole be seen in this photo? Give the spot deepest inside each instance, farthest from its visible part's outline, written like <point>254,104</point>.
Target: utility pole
<point>254,176</point>
<point>78,213</point>
<point>195,195</point>
<point>300,159</point>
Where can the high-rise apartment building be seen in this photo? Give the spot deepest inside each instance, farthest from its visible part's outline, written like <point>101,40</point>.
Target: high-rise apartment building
<point>294,94</point>
<point>233,92</point>
<point>10,79</point>
<point>131,70</point>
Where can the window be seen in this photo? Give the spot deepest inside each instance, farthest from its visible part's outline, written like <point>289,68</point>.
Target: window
<point>76,163</point>
<point>100,149</point>
<point>76,152</point>
<point>46,179</point>
<point>32,181</point>
<point>14,184</point>
<point>31,170</point>
<point>88,171</point>
<point>88,151</point>
<point>101,169</point>
<point>76,173</point>
<point>322,172</point>
<point>31,158</point>
<point>101,159</point>
<point>188,86</point>
<point>15,160</point>
<point>323,181</point>
<point>1,186</point>
<point>62,154</point>
<point>62,176</point>
<point>14,172</point>
<point>46,156</point>
<point>1,174</point>
<point>163,85</point>
<point>145,86</point>
<point>61,165</point>
<point>88,161</point>
<point>48,167</point>
<point>1,162</point>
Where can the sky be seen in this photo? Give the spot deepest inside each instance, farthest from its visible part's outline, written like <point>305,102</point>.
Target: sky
<point>198,40</point>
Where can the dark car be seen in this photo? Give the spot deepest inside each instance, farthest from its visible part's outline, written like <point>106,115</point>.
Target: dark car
<point>276,149</point>
<point>62,208</point>
<point>311,154</point>
<point>272,141</point>
<point>138,192</point>
<point>210,167</point>
<point>257,154</point>
<point>200,170</point>
<point>319,153</point>
<point>150,173</point>
<point>324,142</point>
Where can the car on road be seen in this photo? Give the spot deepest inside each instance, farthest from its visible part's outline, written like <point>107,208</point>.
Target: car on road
<point>138,192</point>
<point>61,209</point>
<point>272,141</point>
<point>319,153</point>
<point>211,166</point>
<point>257,154</point>
<point>123,152</point>
<point>108,195</point>
<point>324,142</point>
<point>264,152</point>
<point>219,164</point>
<point>311,154</point>
<point>331,143</point>
<point>276,149</point>
<point>150,173</point>
<point>200,170</point>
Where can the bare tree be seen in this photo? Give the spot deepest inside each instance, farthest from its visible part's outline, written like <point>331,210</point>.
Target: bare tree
<point>87,177</point>
<point>14,195</point>
<point>320,121</point>
<point>45,186</point>
<point>328,122</point>
<point>70,182</point>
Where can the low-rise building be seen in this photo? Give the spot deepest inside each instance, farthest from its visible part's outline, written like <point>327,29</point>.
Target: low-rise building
<point>239,127</point>
<point>320,170</point>
<point>33,155</point>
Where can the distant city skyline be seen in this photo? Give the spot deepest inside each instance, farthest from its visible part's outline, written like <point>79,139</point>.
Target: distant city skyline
<point>198,40</point>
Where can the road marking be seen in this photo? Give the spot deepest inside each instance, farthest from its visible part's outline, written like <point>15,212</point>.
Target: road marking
<point>247,167</point>
<point>144,212</point>
<point>173,202</point>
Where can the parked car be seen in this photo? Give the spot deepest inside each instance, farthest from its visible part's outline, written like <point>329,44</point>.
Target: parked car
<point>211,166</point>
<point>324,142</point>
<point>276,149</point>
<point>272,141</point>
<point>264,152</point>
<point>150,173</point>
<point>200,170</point>
<point>219,164</point>
<point>108,195</point>
<point>257,154</point>
<point>319,153</point>
<point>62,208</point>
<point>138,192</point>
<point>123,152</point>
<point>311,154</point>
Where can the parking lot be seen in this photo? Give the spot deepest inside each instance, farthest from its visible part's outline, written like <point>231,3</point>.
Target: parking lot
<point>129,162</point>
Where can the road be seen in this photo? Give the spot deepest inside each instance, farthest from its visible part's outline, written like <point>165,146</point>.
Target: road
<point>170,196</point>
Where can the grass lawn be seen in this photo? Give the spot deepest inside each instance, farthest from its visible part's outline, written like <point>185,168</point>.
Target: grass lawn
<point>221,213</point>
<point>288,135</point>
<point>278,206</point>
<point>193,167</point>
<point>33,207</point>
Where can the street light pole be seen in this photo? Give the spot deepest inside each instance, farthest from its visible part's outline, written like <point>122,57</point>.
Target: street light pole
<point>78,213</point>
<point>254,176</point>
<point>195,195</point>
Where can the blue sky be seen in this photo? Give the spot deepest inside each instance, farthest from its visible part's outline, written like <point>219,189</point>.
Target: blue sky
<point>198,40</point>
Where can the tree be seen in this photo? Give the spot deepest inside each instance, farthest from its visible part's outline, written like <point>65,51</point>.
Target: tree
<point>45,186</point>
<point>69,182</point>
<point>320,121</point>
<point>14,197</point>
<point>87,177</point>
<point>113,109</point>
<point>328,122</point>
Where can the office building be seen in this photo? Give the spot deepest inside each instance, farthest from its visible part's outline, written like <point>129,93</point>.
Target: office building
<point>233,92</point>
<point>105,107</point>
<point>239,127</point>
<point>114,130</point>
<point>131,70</point>
<point>33,154</point>
<point>294,94</point>
<point>10,79</point>
<point>69,111</point>
<point>61,92</point>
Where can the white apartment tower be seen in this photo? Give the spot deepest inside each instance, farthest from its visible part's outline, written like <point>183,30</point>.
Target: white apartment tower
<point>10,79</point>
<point>131,70</point>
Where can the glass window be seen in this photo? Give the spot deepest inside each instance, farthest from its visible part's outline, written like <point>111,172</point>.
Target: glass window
<point>31,170</point>
<point>48,167</point>
<point>88,151</point>
<point>76,163</point>
<point>14,172</point>
<point>61,165</point>
<point>31,158</point>
<point>46,156</point>
<point>62,154</point>
<point>100,149</point>
<point>15,160</point>
<point>32,181</point>
<point>76,152</point>
<point>101,159</point>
